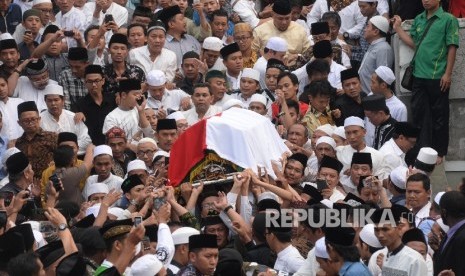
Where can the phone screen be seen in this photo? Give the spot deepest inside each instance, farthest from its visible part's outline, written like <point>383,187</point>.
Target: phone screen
<point>321,184</point>
<point>137,221</point>
<point>158,202</point>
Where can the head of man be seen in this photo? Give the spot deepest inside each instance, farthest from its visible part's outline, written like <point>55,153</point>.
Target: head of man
<point>19,170</point>
<point>211,50</point>
<point>181,121</point>
<point>90,33</point>
<point>213,225</point>
<point>203,253</point>
<point>133,189</point>
<point>156,81</point>
<point>334,22</point>
<point>26,264</point>
<point>325,146</point>
<point>166,133</point>
<point>54,99</point>
<point>382,79</point>
<point>368,8</point>
<point>431,5</point>
<point>452,207</point>
<point>274,68</point>
<point>181,243</point>
<point>361,165</point>
<point>415,239</point>
<point>142,15</point>
<point>151,4</point>
<point>118,47</point>
<point>320,31</point>
<point>318,70</point>
<point>351,83</point>
<point>387,227</point>
<point>282,15</point>
<point>28,117</point>
<point>355,132</point>
<point>130,92</point>
<point>137,35</point>
<point>115,233</point>
<point>103,161</point>
<point>405,135</point>
<point>258,104</point>
<point>367,242</point>
<point>243,36</point>
<point>9,53</point>
<point>65,5</point>
<point>298,134</point>
<point>69,139</point>
<point>418,192</point>
<point>173,19</point>
<point>377,27</point>
<point>138,167</point>
<point>375,109</point>
<point>278,234</point>
<point>249,83</point>
<point>294,111</point>
<point>50,33</point>
<point>78,61</point>
<point>288,83</point>
<point>209,6</point>
<point>329,170</point>
<point>219,23</point>
<point>202,98</point>
<point>276,48</point>
<point>156,35</point>
<point>46,10</point>
<point>217,81</point>
<point>319,94</point>
<point>116,140</point>
<point>294,170</point>
<point>32,21</point>
<point>151,115</point>
<point>94,80</point>
<point>37,72</point>
<point>3,88</point>
<point>232,58</point>
<point>146,148</point>
<point>190,65</point>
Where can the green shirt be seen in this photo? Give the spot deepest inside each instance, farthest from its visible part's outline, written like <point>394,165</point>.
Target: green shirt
<point>431,58</point>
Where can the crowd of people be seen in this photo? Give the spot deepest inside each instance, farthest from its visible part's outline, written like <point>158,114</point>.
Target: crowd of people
<point>93,96</point>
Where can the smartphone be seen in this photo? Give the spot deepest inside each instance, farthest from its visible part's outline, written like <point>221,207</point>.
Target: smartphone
<point>27,32</point>
<point>7,198</point>
<point>158,202</point>
<point>108,18</point>
<point>56,182</point>
<point>146,243</point>
<point>137,221</point>
<point>140,100</point>
<point>68,33</point>
<point>47,228</point>
<point>321,184</point>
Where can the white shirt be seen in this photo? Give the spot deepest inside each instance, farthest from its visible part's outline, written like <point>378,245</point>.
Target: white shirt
<point>234,83</point>
<point>11,128</point>
<point>334,76</point>
<point>221,102</point>
<point>289,260</point>
<point>66,124</point>
<point>120,14</point>
<point>113,182</point>
<point>406,262</point>
<point>238,96</point>
<point>171,99</point>
<point>165,62</point>
<point>219,65</point>
<point>128,120</point>
<point>27,92</point>
<point>246,10</point>
<point>422,214</point>
<point>192,117</point>
<point>310,266</point>
<point>260,66</point>
<point>344,155</point>
<point>393,155</point>
<point>73,19</point>
<point>397,108</point>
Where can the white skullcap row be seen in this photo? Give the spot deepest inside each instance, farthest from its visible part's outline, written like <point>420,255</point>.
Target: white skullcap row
<point>231,103</point>
<point>258,98</point>
<point>398,177</point>
<point>326,128</point>
<point>339,131</point>
<point>156,78</point>
<point>437,198</point>
<point>386,74</point>
<point>37,2</point>
<point>147,140</point>
<point>181,235</point>
<point>147,265</point>
<point>161,153</point>
<point>212,43</point>
<point>136,164</point>
<point>119,213</point>
<point>5,36</point>
<point>427,156</point>
<point>367,235</point>
<point>354,121</point>
<point>380,22</point>
<point>250,73</point>
<point>96,188</point>
<point>176,116</point>
<point>102,149</point>
<point>53,89</point>
<point>277,44</point>
<point>328,140</point>
<point>320,249</point>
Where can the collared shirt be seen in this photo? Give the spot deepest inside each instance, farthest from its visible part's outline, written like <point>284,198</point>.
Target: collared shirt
<point>359,51</point>
<point>238,96</point>
<point>11,129</point>
<point>186,44</point>
<point>232,82</point>
<point>27,92</point>
<point>289,260</point>
<point>73,19</point>
<point>95,115</point>
<point>73,88</point>
<point>221,102</point>
<point>66,123</point>
<point>128,120</point>
<point>187,85</point>
<point>393,155</point>
<point>379,53</point>
<point>192,116</point>
<point>422,214</point>
<point>334,76</point>
<point>56,65</point>
<point>354,269</point>
<point>250,61</point>
<point>403,261</point>
<point>384,132</point>
<point>349,107</point>
<point>451,232</point>
<point>314,119</point>
<point>246,11</point>
<point>344,154</point>
<point>39,149</point>
<point>295,35</point>
<point>165,61</point>
<point>131,72</point>
<point>119,13</point>
<point>13,17</point>
<point>431,58</point>
<point>171,99</point>
<point>189,270</point>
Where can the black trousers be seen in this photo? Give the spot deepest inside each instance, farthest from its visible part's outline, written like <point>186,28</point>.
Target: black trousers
<point>430,111</point>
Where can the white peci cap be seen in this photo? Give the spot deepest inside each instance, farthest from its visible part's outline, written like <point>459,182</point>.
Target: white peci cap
<point>136,164</point>
<point>96,188</point>
<point>339,131</point>
<point>231,103</point>
<point>386,74</point>
<point>5,36</point>
<point>380,22</point>
<point>426,159</point>
<point>320,249</point>
<point>212,43</point>
<point>161,153</point>
<point>147,140</point>
<point>37,2</point>
<point>176,116</point>
<point>277,44</point>
<point>367,235</point>
<point>119,213</point>
<point>156,78</point>
<point>326,128</point>
<point>102,149</point>
<point>328,140</point>
<point>53,89</point>
<point>259,99</point>
<point>181,235</point>
<point>250,73</point>
<point>398,177</point>
<point>437,198</point>
<point>354,121</point>
<point>147,265</point>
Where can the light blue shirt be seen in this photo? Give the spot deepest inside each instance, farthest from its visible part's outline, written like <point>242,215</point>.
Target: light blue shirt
<point>3,145</point>
<point>354,269</point>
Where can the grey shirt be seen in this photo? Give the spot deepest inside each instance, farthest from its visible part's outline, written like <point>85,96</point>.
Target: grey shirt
<point>186,44</point>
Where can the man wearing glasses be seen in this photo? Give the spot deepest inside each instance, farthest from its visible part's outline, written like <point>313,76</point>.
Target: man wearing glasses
<point>45,8</point>
<point>37,144</point>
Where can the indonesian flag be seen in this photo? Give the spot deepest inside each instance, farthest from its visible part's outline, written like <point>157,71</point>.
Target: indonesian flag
<point>245,138</point>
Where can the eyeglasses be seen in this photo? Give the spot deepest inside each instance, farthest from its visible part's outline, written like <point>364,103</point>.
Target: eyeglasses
<point>92,82</point>
<point>142,153</point>
<point>209,205</point>
<point>242,38</point>
<point>45,11</point>
<point>29,121</point>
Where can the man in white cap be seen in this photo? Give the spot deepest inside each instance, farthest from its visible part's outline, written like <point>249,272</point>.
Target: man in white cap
<point>148,265</point>
<point>201,98</point>
<point>96,192</point>
<point>355,132</point>
<point>339,136</point>
<point>396,185</point>
<point>232,103</point>
<point>103,163</point>
<point>181,245</point>
<point>249,85</point>
<point>258,104</point>
<point>46,8</point>
<point>211,53</point>
<point>324,146</point>
<point>162,99</point>
<point>379,53</point>
<point>276,48</point>
<point>57,119</point>
<point>146,149</point>
<point>181,122</point>
<point>425,161</point>
<point>368,242</point>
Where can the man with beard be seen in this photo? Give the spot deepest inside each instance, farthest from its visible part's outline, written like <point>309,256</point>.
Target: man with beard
<point>211,53</point>
<point>201,98</point>
<point>32,86</point>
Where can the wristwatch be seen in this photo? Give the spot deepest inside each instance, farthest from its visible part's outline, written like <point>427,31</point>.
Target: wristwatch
<point>346,35</point>
<point>62,227</point>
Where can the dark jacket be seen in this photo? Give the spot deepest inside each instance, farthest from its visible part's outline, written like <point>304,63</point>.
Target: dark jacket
<point>13,17</point>
<point>451,257</point>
